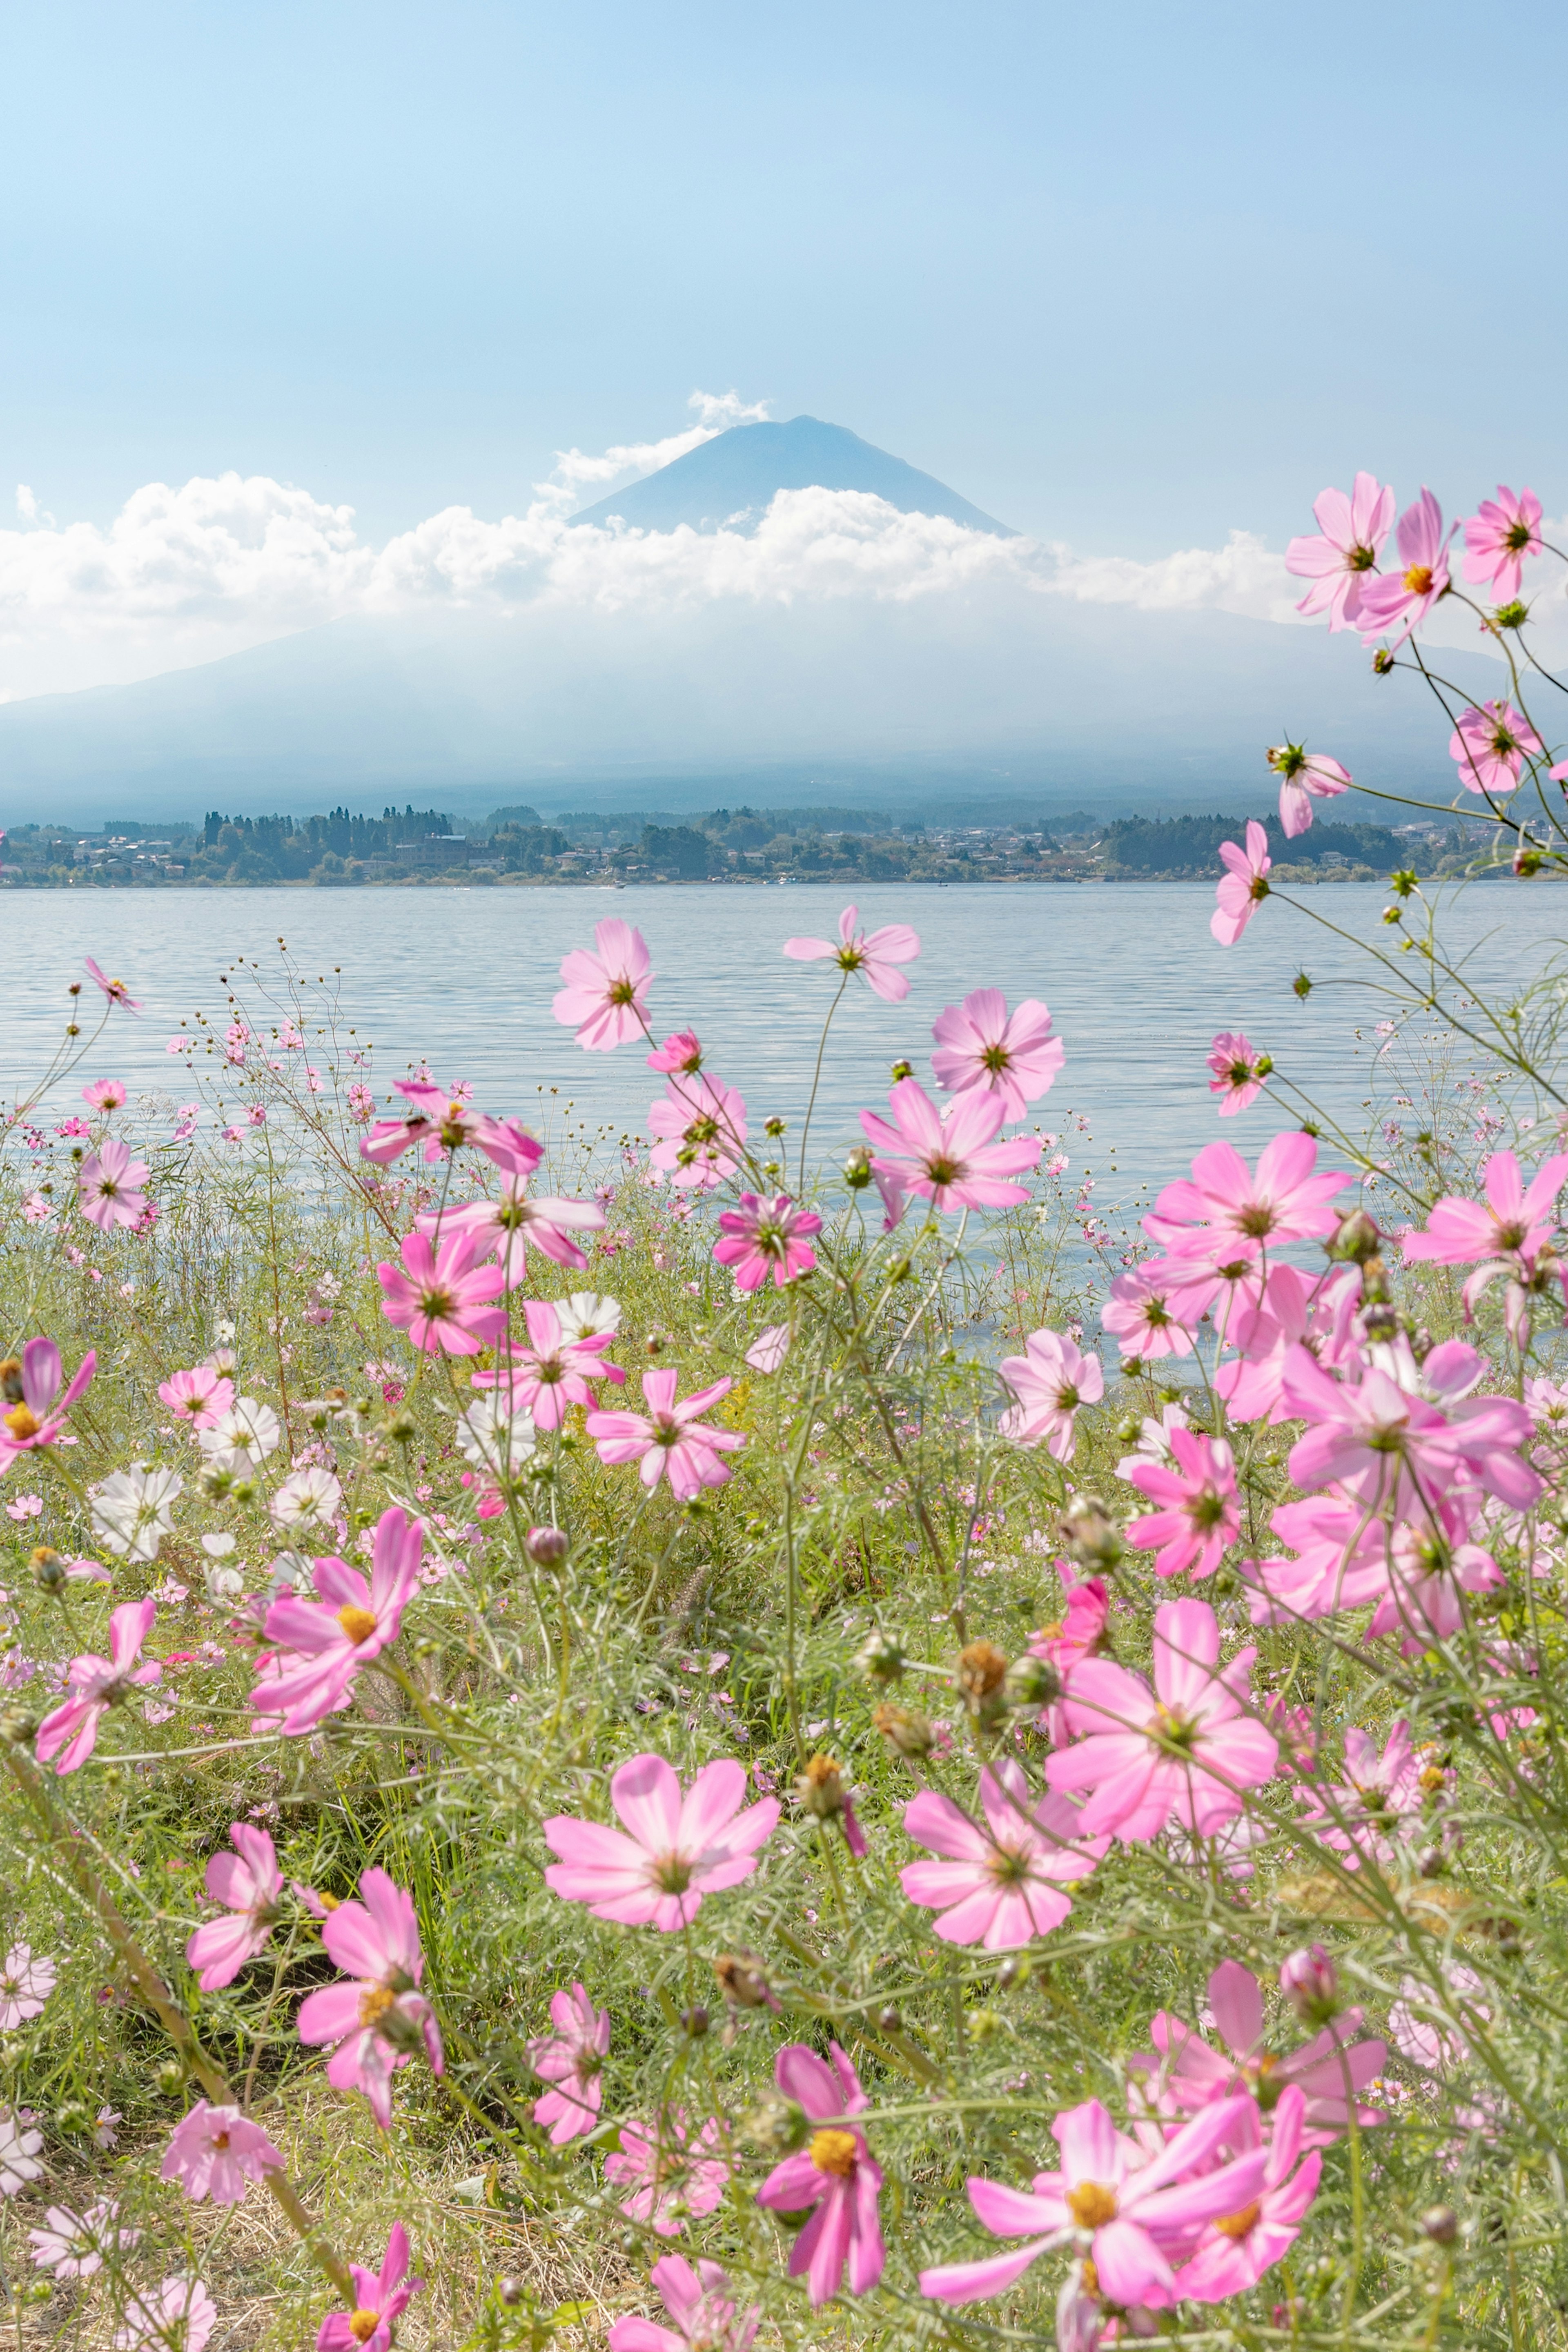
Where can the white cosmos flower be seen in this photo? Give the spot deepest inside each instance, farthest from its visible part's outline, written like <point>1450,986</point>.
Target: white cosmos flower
<point>73,2245</point>
<point>18,2154</point>
<point>494,1441</point>
<point>307,1498</point>
<point>25,1985</point>
<point>240,1440</point>
<point>587,1313</point>
<point>133,1510</point>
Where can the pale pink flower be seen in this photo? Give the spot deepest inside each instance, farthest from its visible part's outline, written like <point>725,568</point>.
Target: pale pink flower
<point>672,1852</point>
<point>97,1683</point>
<point>762,1238</point>
<point>1511,1236</point>
<point>1185,2074</point>
<point>1381,1801</point>
<point>834,2173</point>
<point>200,1397</point>
<point>1185,1751</point>
<point>1200,1512</point>
<point>1237,1071</point>
<point>19,2154</point>
<point>25,1984</point>
<point>1304,776</point>
<point>1138,1316</point>
<point>34,1410</point>
<point>1235,2248</point>
<point>441,1298</point>
<point>323,1644</point>
<point>73,2245</point>
<point>383,2295</point>
<point>572,2059</point>
<point>180,2311</point>
<point>701,1126</point>
<point>605,996</point>
<point>217,2152</point>
<point>1408,594</point>
<point>1497,539</point>
<point>552,1372</point>
<point>769,1348</point>
<point>1050,1380</point>
<point>675,2173</point>
<point>706,2319</point>
<point>949,1157</point>
<point>1489,744</point>
<point>109,1186</point>
<point>1387,1443</point>
<point>669,1439</point>
<point>980,1044</point>
<point>1352,532</point>
<point>377,2022</point>
<point>114,990</point>
<point>1224,1214</point>
<point>507,1226</point>
<point>875,955</point>
<point>680,1051</point>
<point>249,1883</point>
<point>105,1094</point>
<point>1245,885</point>
<point>1000,1885</point>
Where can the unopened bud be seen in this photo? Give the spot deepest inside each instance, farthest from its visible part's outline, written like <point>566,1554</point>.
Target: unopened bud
<point>16,1727</point>
<point>981,2023</point>
<point>902,1070</point>
<point>1015,1970</point>
<point>656,1342</point>
<point>743,1981</point>
<point>1382,662</point>
<point>1440,2223</point>
<point>1031,1682</point>
<point>170,2077</point>
<point>694,2021</point>
<point>902,1728</point>
<point>777,2124</point>
<point>1091,1534</point>
<point>548,1547</point>
<point>511,2292</point>
<point>889,2021</point>
<point>1356,1239</point>
<point>1310,1984</point>
<point>402,1428</point>
<point>982,1669</point>
<point>881,1658</point>
<point>49,1569</point>
<point>857,1169</point>
<point>820,1788</point>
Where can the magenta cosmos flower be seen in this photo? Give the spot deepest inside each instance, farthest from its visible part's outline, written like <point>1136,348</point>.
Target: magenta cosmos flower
<point>217,2152</point>
<point>680,1051</point>
<point>34,1410</point>
<point>1353,531</point>
<point>105,1094</point>
<point>114,990</point>
<point>441,1298</point>
<point>1133,2211</point>
<point>1199,1513</point>
<point>699,2301</point>
<point>109,1186</point>
<point>834,2174</point>
<point>1245,886</point>
<point>949,1157</point>
<point>383,2295</point>
<point>760,1239</point>
<point>1304,777</point>
<point>94,1684</point>
<point>552,1371</point>
<point>377,2022</point>
<point>701,1126</point>
<point>573,2060</point>
<point>1139,1317</point>
<point>1000,1885</point>
<point>980,1044</point>
<point>1235,2248</point>
<point>875,955</point>
<point>1223,1215</point>
<point>249,1883</point>
<point>1489,744</point>
<point>323,1644</point>
<point>605,996</point>
<point>672,1851</point>
<point>668,1439</point>
<point>1050,1380</point>
<point>1498,537</point>
<point>1237,1071</point>
<point>675,2173</point>
<point>1185,1750</point>
<point>200,1398</point>
<point>507,1227</point>
<point>1187,2073</point>
<point>1408,594</point>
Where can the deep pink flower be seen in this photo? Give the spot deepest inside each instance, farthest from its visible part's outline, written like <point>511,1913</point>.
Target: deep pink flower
<point>950,1157</point>
<point>1050,1380</point>
<point>572,2059</point>
<point>672,1851</point>
<point>109,1186</point>
<point>1304,776</point>
<point>1237,1071</point>
<point>552,1371</point>
<point>1236,2248</point>
<point>97,1683</point>
<point>1497,539</point>
<point>834,2173</point>
<point>669,1439</point>
<point>1245,886</point>
<point>200,1397</point>
<point>1489,744</point>
<point>680,1051</point>
<point>1138,1316</point>
<point>322,1645</point>
<point>35,1412</point>
<point>509,1225</point>
<point>217,2152</point>
<point>441,1298</point>
<point>1201,1513</point>
<point>1185,1750</point>
<point>1225,1216</point>
<point>114,990</point>
<point>1076,1636</point>
<point>999,1885</point>
<point>1136,2210</point>
<point>1185,2074</point>
<point>701,1126</point>
<point>875,955</point>
<point>105,1094</point>
<point>1352,533</point>
<point>980,1044</point>
<point>1408,594</point>
<point>680,2171</point>
<point>384,2297</point>
<point>706,2320</point>
<point>762,1238</point>
<point>605,996</point>
<point>377,2022</point>
<point>249,1883</point>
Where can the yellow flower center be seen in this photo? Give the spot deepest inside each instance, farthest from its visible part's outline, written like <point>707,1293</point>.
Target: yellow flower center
<point>1092,2204</point>
<point>363,2325</point>
<point>220,2139</point>
<point>375,2004</point>
<point>22,1423</point>
<point>358,1623</point>
<point>834,2152</point>
<point>1418,579</point>
<point>1238,2225</point>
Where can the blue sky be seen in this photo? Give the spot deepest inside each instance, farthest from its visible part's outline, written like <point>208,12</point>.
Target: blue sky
<point>1127,278</point>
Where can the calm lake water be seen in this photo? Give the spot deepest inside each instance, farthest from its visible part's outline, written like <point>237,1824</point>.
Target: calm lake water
<point>1136,985</point>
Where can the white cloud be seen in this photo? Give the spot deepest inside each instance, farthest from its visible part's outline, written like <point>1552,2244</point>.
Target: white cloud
<point>574,473</point>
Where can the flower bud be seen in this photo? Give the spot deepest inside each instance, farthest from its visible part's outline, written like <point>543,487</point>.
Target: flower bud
<point>880,1657</point>
<point>777,2124</point>
<point>1031,1682</point>
<point>913,1734</point>
<point>889,2021</point>
<point>694,2021</point>
<point>1356,1239</point>
<point>402,1428</point>
<point>1440,2223</point>
<point>820,1788</point>
<point>511,2292</point>
<point>548,1547</point>
<point>170,2077</point>
<point>982,1669</point>
<point>981,2023</point>
<point>743,1981</point>
<point>1089,1533</point>
<point>1382,662</point>
<point>857,1169</point>
<point>1310,1984</point>
<point>49,1569</point>
<point>16,1727</point>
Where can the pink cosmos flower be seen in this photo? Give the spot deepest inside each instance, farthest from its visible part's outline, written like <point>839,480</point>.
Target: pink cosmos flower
<point>552,1372</point>
<point>1000,1885</point>
<point>1387,1443</point>
<point>1511,1236</point>
<point>1050,1380</point>
<point>668,1440</point>
<point>25,1984</point>
<point>706,2320</point>
<point>769,1348</point>
<point>573,2058</point>
<point>605,996</point>
<point>980,1044</point>
<point>762,1238</point>
<point>672,1851</point>
<point>180,2311</point>
<point>105,1094</point>
<point>322,1645</point>
<point>1185,1750</point>
<point>507,1226</point>
<point>34,1410</point>
<point>1352,532</point>
<point>1185,2074</point>
<point>1497,539</point>
<point>834,2173</point>
<point>114,990</point>
<point>1245,886</point>
<point>442,1299</point>
<point>1235,2248</point>
<point>1201,1513</point>
<point>1408,594</point>
<point>377,2022</point>
<point>1224,1214</point>
<point>1381,1801</point>
<point>249,1883</point>
<point>680,1051</point>
<point>950,1157</point>
<point>97,1683</point>
<point>1134,2210</point>
<point>200,1397</point>
<point>1489,744</point>
<point>1238,1070</point>
<point>384,2296</point>
<point>875,955</point>
<point>1138,1316</point>
<point>680,2173</point>
<point>73,2245</point>
<point>217,2152</point>
<point>109,1186</point>
<point>1304,777</point>
<point>701,1126</point>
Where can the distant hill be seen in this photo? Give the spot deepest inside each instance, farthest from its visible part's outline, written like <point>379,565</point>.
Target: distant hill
<point>1188,844</point>
<point>731,481</point>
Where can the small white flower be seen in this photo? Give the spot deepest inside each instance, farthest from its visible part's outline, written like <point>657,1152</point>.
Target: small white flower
<point>223,1583</point>
<point>242,1438</point>
<point>307,1498</point>
<point>218,1547</point>
<point>133,1510</point>
<point>586,1313</point>
<point>18,2152</point>
<point>224,1330</point>
<point>493,1441</point>
<point>73,2245</point>
<point>103,2132</point>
